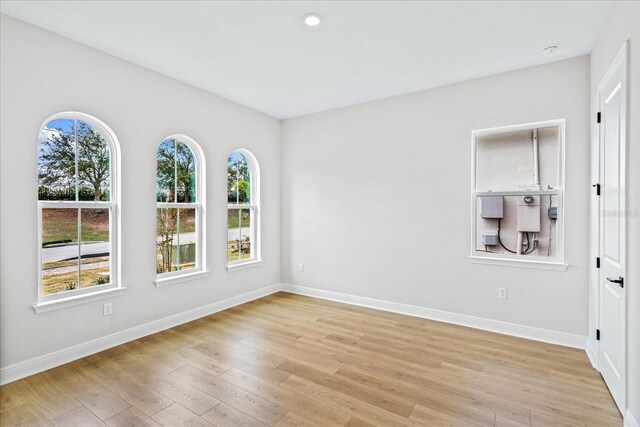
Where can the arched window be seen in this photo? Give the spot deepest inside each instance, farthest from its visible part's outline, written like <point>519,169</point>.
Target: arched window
<point>77,206</point>
<point>180,205</point>
<point>243,214</point>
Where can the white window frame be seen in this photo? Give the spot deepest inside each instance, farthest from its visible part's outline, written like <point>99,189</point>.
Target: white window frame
<point>200,270</point>
<point>255,258</point>
<point>81,295</point>
<point>528,261</point>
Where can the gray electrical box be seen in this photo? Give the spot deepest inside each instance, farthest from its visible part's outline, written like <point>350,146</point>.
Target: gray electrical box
<point>528,214</point>
<point>490,239</point>
<point>492,207</point>
<point>553,212</point>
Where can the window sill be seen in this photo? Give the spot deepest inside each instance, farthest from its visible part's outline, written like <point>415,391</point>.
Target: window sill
<point>57,304</point>
<point>244,265</point>
<point>541,265</point>
<point>174,280</point>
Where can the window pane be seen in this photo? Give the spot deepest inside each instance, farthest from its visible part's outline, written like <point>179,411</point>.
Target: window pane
<point>59,250</point>
<point>165,175</point>
<point>166,236</point>
<point>94,247</point>
<point>232,179</point>
<point>233,235</point>
<point>94,180</point>
<point>505,161</point>
<point>57,161</point>
<point>503,221</point>
<point>238,179</point>
<point>185,250</point>
<point>186,173</point>
<point>239,234</point>
<point>244,180</point>
<point>245,233</point>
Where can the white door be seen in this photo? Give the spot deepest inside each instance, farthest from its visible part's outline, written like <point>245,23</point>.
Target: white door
<point>612,132</point>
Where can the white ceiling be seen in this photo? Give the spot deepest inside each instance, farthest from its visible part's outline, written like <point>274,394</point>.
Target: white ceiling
<point>261,55</point>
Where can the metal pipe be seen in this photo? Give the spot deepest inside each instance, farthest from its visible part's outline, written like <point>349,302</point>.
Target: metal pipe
<point>536,177</point>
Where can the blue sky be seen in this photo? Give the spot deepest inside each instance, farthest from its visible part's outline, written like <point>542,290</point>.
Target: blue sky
<point>66,125</point>
<point>54,127</point>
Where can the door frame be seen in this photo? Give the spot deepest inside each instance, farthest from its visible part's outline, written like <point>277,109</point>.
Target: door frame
<point>595,273</point>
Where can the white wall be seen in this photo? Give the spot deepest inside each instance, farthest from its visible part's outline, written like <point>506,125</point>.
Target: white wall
<point>376,198</point>
<point>43,74</point>
<point>356,183</point>
<point>623,25</point>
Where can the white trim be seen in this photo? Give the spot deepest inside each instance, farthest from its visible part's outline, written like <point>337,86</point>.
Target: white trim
<point>518,127</point>
<point>66,204</point>
<point>592,357</point>
<point>549,263</point>
<point>629,419</point>
<point>58,303</point>
<point>522,263</point>
<point>254,206</point>
<point>620,63</point>
<point>593,349</point>
<point>519,193</point>
<point>163,281</point>
<point>241,206</point>
<point>244,265</point>
<point>507,328</point>
<point>65,296</point>
<point>38,364</point>
<point>167,205</point>
<point>115,243</point>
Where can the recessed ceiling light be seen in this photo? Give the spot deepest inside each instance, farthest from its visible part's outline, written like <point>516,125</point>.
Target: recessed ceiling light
<point>550,49</point>
<point>312,19</point>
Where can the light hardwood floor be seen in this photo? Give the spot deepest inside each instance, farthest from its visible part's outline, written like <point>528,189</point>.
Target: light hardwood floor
<point>288,360</point>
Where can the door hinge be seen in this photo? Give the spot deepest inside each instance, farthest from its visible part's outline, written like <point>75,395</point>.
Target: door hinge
<point>598,117</point>
<point>597,187</point>
<point>598,262</point>
<point>597,334</point>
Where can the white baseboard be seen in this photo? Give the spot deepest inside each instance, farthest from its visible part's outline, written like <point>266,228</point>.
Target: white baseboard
<point>629,420</point>
<point>51,360</point>
<point>523,331</point>
<point>592,357</point>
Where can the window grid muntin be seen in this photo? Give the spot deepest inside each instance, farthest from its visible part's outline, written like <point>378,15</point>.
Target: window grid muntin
<point>179,206</point>
<point>559,259</point>
<point>63,204</point>
<point>111,143</point>
<point>252,206</point>
<point>198,205</point>
<point>252,232</point>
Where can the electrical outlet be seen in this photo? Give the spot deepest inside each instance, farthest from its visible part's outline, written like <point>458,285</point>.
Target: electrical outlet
<point>300,267</point>
<point>107,309</point>
<point>502,293</point>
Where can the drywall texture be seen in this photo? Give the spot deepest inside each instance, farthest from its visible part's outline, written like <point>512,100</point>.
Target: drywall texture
<point>376,198</point>
<point>624,25</point>
<point>43,74</point>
